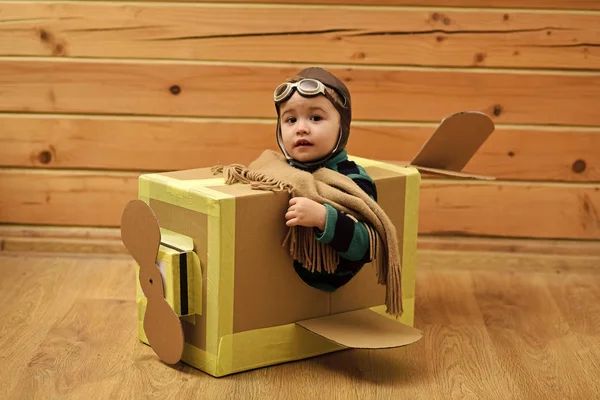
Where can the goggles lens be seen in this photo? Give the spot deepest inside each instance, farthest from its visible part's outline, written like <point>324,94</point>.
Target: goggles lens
<point>309,86</point>
<point>281,90</point>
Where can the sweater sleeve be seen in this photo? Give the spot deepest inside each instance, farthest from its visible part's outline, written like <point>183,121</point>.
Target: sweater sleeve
<point>347,236</point>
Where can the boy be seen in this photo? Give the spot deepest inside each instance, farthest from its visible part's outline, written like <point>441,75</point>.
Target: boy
<point>313,126</point>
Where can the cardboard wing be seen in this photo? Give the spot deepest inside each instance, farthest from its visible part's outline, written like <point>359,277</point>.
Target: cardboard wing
<point>362,329</point>
<point>452,145</point>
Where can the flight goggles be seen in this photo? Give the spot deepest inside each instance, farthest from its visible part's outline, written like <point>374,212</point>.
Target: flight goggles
<point>307,87</point>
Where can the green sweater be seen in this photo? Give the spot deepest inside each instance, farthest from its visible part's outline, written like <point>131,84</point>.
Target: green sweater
<point>349,238</point>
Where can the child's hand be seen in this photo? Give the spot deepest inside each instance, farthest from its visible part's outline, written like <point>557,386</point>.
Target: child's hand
<point>306,212</point>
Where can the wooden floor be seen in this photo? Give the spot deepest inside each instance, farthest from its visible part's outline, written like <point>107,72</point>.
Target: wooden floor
<point>496,326</point>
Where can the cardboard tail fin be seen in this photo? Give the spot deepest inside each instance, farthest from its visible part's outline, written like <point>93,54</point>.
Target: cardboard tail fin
<point>452,145</point>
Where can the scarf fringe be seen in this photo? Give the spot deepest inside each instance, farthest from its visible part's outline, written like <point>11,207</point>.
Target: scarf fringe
<point>314,255</point>
<point>237,173</point>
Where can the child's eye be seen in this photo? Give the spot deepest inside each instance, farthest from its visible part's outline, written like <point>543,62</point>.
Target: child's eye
<point>291,120</point>
<point>316,118</point>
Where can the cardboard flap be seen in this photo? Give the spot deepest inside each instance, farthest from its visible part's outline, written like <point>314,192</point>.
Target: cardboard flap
<point>362,329</point>
<point>455,141</point>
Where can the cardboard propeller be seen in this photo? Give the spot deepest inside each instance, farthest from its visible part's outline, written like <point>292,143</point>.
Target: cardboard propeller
<point>140,234</point>
<point>452,145</point>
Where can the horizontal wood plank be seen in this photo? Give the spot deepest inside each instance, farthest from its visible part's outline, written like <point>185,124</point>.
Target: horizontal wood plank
<point>65,198</point>
<point>71,246</point>
<point>402,36</point>
<point>245,90</point>
<point>539,4</point>
<point>535,4</point>
<point>58,232</point>
<point>510,209</point>
<point>514,264</point>
<point>514,246</point>
<point>161,144</point>
<point>447,207</point>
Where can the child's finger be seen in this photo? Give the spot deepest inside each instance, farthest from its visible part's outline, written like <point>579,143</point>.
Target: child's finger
<point>293,201</point>
<point>292,222</point>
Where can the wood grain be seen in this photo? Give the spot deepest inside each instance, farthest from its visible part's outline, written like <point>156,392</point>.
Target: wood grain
<point>161,144</point>
<point>535,4</point>
<point>453,315</point>
<point>446,207</point>
<point>69,330</point>
<point>485,38</point>
<point>245,90</point>
<point>506,262</point>
<point>59,232</point>
<point>579,302</point>
<point>56,245</point>
<point>536,337</point>
<point>517,246</point>
<point>46,325</point>
<point>510,209</point>
<point>67,198</point>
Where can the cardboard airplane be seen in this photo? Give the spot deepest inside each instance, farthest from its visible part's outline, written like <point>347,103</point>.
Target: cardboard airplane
<point>204,272</point>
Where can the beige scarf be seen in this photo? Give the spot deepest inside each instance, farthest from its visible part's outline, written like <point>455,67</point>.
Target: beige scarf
<point>270,171</point>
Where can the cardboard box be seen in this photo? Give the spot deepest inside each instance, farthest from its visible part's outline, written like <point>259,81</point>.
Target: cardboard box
<point>225,295</point>
<point>252,308</point>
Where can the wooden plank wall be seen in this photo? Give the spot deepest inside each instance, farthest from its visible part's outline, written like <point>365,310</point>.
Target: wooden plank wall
<point>94,93</point>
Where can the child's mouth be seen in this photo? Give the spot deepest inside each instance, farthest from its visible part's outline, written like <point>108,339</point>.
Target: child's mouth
<point>303,143</point>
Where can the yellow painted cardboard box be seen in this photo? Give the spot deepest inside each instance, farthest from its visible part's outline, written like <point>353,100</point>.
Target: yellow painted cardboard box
<point>233,285</point>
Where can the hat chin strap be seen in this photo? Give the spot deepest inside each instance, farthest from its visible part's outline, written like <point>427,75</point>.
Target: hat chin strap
<point>307,164</point>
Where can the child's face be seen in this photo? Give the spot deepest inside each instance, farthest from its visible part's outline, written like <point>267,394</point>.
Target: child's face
<point>309,127</point>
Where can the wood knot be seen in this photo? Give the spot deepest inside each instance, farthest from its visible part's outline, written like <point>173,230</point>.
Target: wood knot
<point>59,49</point>
<point>359,55</point>
<point>440,39</point>
<point>497,110</point>
<point>45,157</point>
<point>480,57</point>
<point>56,46</point>
<point>511,153</point>
<point>506,17</point>
<point>446,21</point>
<point>579,166</point>
<point>44,36</point>
<point>175,89</point>
<point>435,16</point>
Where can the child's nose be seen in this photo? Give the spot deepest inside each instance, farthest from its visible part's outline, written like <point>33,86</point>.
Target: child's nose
<point>302,127</point>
